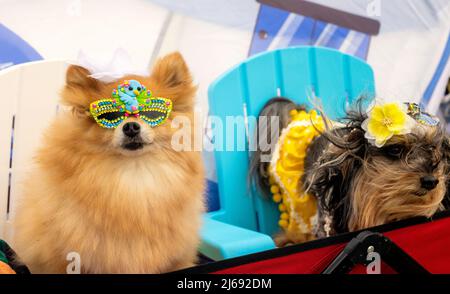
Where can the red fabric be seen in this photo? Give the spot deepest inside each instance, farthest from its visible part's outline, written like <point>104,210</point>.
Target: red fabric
<point>427,243</point>
<point>308,262</point>
<point>361,269</point>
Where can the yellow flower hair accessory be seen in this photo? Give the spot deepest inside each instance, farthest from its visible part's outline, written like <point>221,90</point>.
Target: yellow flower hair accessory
<point>386,120</point>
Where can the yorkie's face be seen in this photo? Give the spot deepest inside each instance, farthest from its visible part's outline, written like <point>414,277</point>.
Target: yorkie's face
<point>404,178</point>
<point>361,185</point>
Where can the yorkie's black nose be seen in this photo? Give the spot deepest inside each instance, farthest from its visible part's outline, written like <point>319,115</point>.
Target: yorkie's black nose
<point>131,129</point>
<point>429,182</point>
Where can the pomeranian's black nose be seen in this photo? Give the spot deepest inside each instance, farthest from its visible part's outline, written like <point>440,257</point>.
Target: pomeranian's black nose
<point>131,129</point>
<point>429,182</point>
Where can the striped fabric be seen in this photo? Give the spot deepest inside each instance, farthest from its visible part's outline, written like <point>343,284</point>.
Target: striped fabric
<point>432,98</point>
<point>276,28</point>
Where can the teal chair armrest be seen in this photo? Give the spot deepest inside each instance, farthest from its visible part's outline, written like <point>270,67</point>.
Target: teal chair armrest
<point>222,241</point>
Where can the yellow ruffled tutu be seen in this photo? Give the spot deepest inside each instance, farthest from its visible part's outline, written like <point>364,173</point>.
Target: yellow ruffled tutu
<point>298,210</point>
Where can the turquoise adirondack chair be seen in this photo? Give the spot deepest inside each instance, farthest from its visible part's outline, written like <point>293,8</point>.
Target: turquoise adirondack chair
<point>246,220</point>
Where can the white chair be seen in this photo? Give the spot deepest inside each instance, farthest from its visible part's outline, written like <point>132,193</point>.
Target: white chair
<point>28,101</point>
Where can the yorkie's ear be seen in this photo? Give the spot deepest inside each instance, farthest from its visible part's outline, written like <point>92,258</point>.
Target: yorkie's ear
<point>173,80</point>
<point>331,180</point>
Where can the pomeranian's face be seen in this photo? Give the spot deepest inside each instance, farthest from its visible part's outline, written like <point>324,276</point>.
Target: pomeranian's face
<point>170,79</point>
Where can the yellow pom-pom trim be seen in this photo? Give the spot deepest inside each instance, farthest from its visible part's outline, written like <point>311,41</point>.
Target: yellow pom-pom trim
<point>274,189</point>
<point>276,198</point>
<point>283,223</point>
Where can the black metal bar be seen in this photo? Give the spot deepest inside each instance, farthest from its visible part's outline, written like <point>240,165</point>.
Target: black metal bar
<point>358,248</point>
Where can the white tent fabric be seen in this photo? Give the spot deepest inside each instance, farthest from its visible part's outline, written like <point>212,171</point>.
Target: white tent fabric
<point>215,34</point>
<point>59,29</point>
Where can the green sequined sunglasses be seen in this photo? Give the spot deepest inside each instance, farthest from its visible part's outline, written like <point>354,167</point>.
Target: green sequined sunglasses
<point>131,98</point>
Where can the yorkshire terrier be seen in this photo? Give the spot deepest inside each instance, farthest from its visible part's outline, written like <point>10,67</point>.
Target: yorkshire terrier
<point>109,187</point>
<point>354,179</point>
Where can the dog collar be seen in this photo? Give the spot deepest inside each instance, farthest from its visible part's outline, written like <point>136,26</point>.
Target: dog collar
<point>131,98</point>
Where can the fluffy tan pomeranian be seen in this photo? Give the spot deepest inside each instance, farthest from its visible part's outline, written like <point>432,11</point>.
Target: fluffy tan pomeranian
<point>124,202</point>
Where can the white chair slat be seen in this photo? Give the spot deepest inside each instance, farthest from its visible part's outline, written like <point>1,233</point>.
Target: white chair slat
<point>36,99</point>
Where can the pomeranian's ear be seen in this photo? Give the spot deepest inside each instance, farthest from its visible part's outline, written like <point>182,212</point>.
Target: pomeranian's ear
<point>79,77</point>
<point>173,80</point>
<point>78,89</point>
